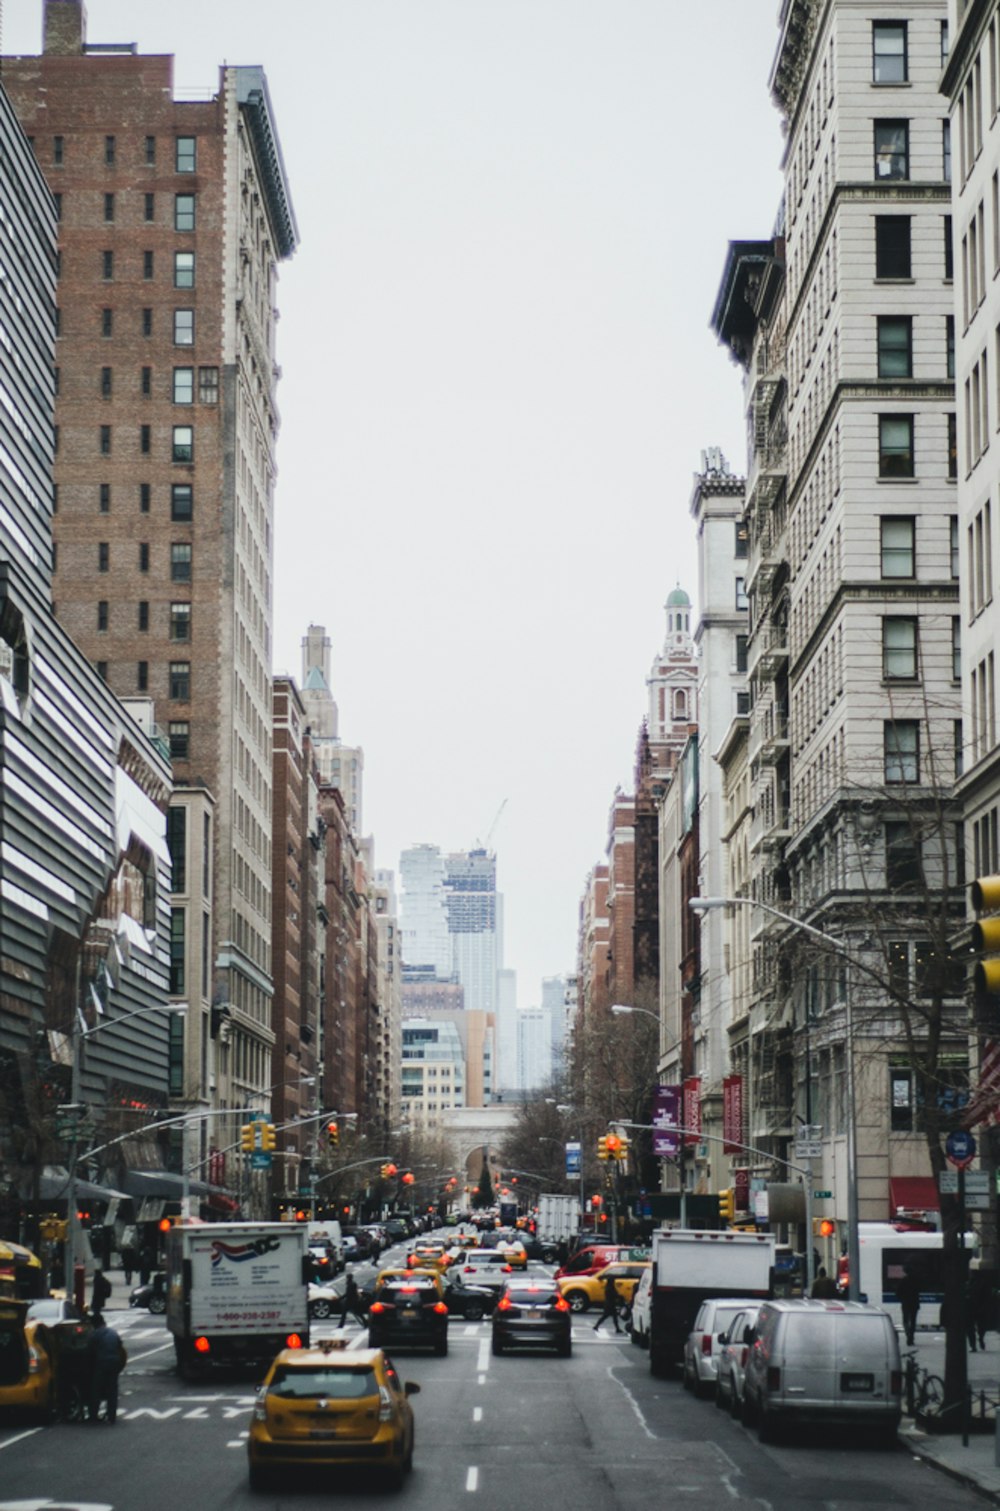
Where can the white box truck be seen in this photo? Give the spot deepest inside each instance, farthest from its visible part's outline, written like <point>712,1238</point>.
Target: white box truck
<point>558,1220</point>
<point>237,1293</point>
<point>690,1267</point>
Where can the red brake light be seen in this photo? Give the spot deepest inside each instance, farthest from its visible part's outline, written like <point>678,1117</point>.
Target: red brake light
<point>506,1269</point>
<point>376,1307</point>
<point>440,1308</point>
<point>706,1343</point>
<point>408,1289</point>
<point>562,1305</point>
<point>294,1341</point>
<point>202,1345</point>
<point>503,1305</point>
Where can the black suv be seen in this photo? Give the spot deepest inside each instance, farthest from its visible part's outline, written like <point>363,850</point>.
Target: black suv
<point>409,1312</point>
<point>530,1313</point>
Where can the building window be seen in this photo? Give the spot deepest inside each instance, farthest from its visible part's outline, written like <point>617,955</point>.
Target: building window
<point>956,649</point>
<point>143,556</point>
<point>898,546</point>
<point>145,439</point>
<point>901,751</point>
<point>104,440</point>
<point>952,446</point>
<point>177,845</point>
<point>107,322</point>
<point>949,252</point>
<point>104,496</point>
<point>57,149</point>
<point>180,562</point>
<point>891,247</point>
<point>178,918</point>
<point>144,498</point>
<point>109,151</point>
<point>899,649</point>
<point>946,151</point>
<point>109,207</point>
<point>741,653</point>
<point>143,614</point>
<point>179,736</point>
<point>959,754</point>
<point>183,270</point>
<point>892,150</point>
<point>180,681</point>
<point>181,501</point>
<point>146,381</point>
<point>742,538</point>
<point>186,155</point>
<point>149,207</point>
<point>895,445</point>
<point>103,556</point>
<point>151,149</point>
<point>102,670</point>
<point>183,443</point>
<point>949,345</point>
<point>208,385</point>
<point>183,327</point>
<point>742,704</point>
<point>954,550</point>
<point>102,614</point>
<point>742,601</point>
<point>889,61</point>
<point>895,346</point>
<point>903,859</point>
<point>147,322</point>
<point>183,385</point>
<point>107,265</point>
<point>180,621</point>
<point>142,676</point>
<point>147,265</point>
<point>183,212</point>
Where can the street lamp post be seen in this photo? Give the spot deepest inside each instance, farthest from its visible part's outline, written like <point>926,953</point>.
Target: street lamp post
<point>622,1009</point>
<point>82,1032</point>
<point>704,905</point>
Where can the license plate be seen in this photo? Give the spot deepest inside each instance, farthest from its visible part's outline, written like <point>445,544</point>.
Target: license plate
<point>533,1314</point>
<point>322,1433</point>
<point>857,1382</point>
<point>409,1311</point>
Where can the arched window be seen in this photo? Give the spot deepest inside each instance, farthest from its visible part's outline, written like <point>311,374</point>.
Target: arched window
<point>680,703</point>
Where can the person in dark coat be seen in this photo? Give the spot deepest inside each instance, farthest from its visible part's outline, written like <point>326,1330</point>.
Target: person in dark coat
<point>147,1263</point>
<point>101,1292</point>
<point>823,1287</point>
<point>978,1308</point>
<point>107,1360</point>
<point>130,1261</point>
<point>908,1292</point>
<point>351,1302</point>
<point>610,1304</point>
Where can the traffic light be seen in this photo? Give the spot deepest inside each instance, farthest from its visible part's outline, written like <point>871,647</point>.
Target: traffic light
<point>248,1138</point>
<point>612,1146</point>
<point>596,1199</point>
<point>602,1147</point>
<point>333,1134</point>
<point>268,1141</point>
<point>824,1227</point>
<point>621,1153</point>
<point>388,1171</point>
<point>727,1204</point>
<point>986,936</point>
<point>407,1179</point>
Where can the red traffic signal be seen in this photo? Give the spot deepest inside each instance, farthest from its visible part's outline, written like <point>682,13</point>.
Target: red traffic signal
<point>827,1227</point>
<point>613,1145</point>
<point>407,1179</point>
<point>164,1224</point>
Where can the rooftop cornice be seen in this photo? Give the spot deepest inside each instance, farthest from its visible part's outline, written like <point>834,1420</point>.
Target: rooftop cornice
<point>253,98</point>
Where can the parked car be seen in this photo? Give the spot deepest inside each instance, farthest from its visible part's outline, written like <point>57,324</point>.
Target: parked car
<point>532,1314</point>
<point>734,1350</point>
<point>642,1301</point>
<point>409,1311</point>
<point>153,1295</point>
<point>824,1361</point>
<point>357,1395</point>
<point>701,1349</point>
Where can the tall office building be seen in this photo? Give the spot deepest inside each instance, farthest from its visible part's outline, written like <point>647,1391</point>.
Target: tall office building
<point>427,954</point>
<point>474,924</point>
<point>339,765</point>
<point>173,217</point>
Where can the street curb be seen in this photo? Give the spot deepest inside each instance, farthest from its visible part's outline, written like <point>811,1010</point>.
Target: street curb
<point>913,1445</point>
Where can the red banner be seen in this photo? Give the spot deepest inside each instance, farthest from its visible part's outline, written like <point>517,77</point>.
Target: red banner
<point>692,1110</point>
<point>732,1114</point>
<point>741,1185</point>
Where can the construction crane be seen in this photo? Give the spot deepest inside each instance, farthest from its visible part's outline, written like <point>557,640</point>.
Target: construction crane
<point>493,827</point>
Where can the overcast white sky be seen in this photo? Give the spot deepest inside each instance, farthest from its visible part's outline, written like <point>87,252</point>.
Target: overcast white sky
<point>498,380</point>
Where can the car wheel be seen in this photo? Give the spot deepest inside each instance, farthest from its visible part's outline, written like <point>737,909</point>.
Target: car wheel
<point>497,1347</point>
<point>321,1307</point>
<point>157,1305</point>
<point>579,1301</point>
<point>474,1312</point>
<point>408,1460</point>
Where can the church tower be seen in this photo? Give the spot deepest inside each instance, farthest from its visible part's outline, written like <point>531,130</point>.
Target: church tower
<point>673,684</point>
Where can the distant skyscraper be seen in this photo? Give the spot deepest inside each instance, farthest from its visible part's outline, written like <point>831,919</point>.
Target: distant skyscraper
<point>471,898</point>
<point>534,1048</point>
<point>427,952</point>
<point>340,765</point>
<point>554,1005</point>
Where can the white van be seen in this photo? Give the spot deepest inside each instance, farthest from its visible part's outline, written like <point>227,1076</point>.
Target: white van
<point>886,1254</point>
<point>329,1232</point>
<point>824,1362</point>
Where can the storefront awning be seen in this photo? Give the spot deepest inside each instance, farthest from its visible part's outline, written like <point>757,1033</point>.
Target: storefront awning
<point>912,1196</point>
<point>53,1185</point>
<point>163,1183</point>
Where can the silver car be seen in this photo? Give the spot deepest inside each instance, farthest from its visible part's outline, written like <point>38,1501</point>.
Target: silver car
<point>734,1347</point>
<point>701,1350</point>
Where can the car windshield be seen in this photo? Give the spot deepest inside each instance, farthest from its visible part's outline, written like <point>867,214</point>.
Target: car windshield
<point>532,1295</point>
<point>298,1382</point>
<point>51,1311</point>
<point>409,1290</point>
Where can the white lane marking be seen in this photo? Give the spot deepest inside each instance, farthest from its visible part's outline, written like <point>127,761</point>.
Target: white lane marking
<point>477,1414</point>
<point>482,1363</point>
<point>9,1442</point>
<point>634,1405</point>
<point>472,1478</point>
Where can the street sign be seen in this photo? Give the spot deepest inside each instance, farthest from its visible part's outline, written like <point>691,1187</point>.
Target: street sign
<point>960,1148</point>
<point>260,1161</point>
<point>948,1182</point>
<point>808,1149</point>
<point>977,1181</point>
<point>822,1195</point>
<point>977,1201</point>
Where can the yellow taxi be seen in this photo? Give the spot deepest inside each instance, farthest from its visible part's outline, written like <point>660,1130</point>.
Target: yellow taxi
<point>404,1273</point>
<point>331,1407</point>
<point>514,1252</point>
<point>585,1291</point>
<point>27,1367</point>
<point>428,1254</point>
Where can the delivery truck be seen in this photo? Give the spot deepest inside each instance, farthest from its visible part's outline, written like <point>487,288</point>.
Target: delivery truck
<point>237,1293</point>
<point>690,1267</point>
<point>558,1220</point>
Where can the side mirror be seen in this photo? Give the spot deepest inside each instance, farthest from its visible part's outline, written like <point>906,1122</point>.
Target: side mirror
<point>749,1335</point>
<point>722,1338</point>
<point>411,1388</point>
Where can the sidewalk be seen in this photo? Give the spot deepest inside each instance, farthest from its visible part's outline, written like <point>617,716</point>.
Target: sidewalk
<point>975,1464</point>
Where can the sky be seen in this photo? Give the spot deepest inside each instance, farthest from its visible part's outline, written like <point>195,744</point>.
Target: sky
<point>498,378</point>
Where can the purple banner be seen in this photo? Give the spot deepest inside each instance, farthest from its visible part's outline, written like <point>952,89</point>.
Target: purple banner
<point>666,1121</point>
